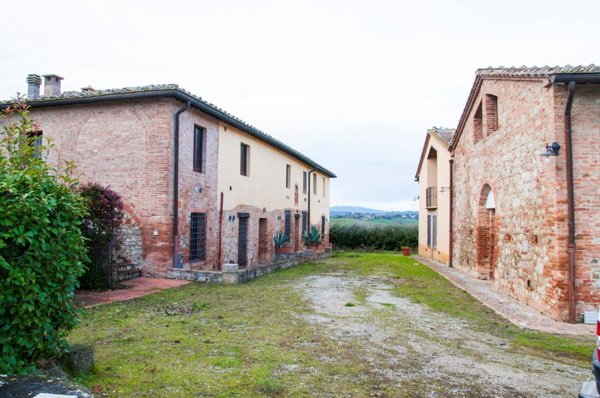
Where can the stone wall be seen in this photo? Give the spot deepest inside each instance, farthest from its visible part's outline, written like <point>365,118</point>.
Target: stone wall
<point>280,261</point>
<point>128,257</point>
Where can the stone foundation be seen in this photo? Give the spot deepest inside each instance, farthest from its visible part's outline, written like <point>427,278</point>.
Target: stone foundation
<point>232,274</point>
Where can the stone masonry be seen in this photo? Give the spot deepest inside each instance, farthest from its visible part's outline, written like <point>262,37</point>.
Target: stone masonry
<point>522,243</point>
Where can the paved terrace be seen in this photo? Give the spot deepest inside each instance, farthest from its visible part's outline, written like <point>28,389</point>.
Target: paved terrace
<point>134,288</point>
<point>505,305</point>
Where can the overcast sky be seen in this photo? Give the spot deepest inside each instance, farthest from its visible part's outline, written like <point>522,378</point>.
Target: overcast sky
<point>354,85</point>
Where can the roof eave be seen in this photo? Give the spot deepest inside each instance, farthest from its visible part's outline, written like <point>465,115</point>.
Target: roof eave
<point>184,97</point>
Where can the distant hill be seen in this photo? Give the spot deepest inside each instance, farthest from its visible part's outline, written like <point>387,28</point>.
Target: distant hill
<point>342,210</point>
<point>354,209</point>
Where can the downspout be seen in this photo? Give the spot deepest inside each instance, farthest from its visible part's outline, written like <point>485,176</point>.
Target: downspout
<point>309,193</point>
<point>219,265</point>
<point>570,202</point>
<point>176,188</point>
<point>451,210</point>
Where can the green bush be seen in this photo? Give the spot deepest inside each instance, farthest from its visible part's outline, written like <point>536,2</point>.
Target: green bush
<point>389,237</point>
<point>42,252</point>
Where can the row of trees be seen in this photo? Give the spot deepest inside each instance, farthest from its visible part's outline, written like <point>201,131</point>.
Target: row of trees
<point>50,229</point>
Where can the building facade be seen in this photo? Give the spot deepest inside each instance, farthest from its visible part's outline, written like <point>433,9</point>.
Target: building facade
<point>531,223</point>
<point>433,176</point>
<point>201,188</point>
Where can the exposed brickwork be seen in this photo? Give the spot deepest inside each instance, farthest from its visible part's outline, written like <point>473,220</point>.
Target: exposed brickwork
<point>128,145</point>
<point>526,238</point>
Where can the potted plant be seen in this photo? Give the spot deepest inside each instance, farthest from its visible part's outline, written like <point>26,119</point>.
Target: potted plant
<point>281,240</point>
<point>407,251</point>
<point>312,238</point>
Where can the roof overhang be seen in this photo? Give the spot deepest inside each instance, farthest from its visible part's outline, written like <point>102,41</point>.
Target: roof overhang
<point>185,97</point>
<point>559,78</point>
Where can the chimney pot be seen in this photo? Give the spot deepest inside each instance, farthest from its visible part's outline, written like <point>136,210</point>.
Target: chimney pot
<point>52,85</point>
<point>88,89</point>
<point>33,86</point>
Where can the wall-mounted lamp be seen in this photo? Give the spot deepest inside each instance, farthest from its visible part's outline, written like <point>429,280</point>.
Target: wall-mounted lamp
<point>444,189</point>
<point>551,150</point>
<point>264,209</point>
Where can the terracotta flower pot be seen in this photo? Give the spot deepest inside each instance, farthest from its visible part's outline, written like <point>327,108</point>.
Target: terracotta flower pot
<point>407,251</point>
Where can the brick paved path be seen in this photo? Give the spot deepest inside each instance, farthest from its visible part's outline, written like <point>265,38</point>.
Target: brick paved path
<point>134,288</point>
<point>505,305</point>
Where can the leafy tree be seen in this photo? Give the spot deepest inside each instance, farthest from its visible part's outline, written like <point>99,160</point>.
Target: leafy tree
<point>42,251</point>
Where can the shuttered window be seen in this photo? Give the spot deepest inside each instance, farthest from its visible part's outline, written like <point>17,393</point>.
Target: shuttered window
<point>244,152</point>
<point>288,222</point>
<point>322,227</point>
<point>304,181</point>
<point>288,175</point>
<point>199,133</point>
<point>198,237</point>
<point>304,221</point>
<point>432,231</point>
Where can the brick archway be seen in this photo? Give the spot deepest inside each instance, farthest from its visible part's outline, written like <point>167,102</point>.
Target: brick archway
<point>487,234</point>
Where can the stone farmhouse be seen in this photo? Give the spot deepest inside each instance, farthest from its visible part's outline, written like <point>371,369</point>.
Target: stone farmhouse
<point>525,178</point>
<point>202,188</point>
<point>433,176</point>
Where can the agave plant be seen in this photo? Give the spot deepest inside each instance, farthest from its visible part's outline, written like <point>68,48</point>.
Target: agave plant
<point>280,239</point>
<point>312,236</point>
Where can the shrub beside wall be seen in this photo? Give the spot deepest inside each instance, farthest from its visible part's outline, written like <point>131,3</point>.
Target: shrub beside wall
<point>41,247</point>
<point>389,237</point>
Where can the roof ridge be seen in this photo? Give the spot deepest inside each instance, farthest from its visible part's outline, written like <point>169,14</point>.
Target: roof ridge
<point>536,70</point>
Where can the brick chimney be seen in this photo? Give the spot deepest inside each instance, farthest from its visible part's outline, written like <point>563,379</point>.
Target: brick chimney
<point>52,85</point>
<point>33,86</point>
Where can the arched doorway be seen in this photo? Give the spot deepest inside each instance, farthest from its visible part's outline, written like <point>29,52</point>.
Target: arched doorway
<point>487,234</point>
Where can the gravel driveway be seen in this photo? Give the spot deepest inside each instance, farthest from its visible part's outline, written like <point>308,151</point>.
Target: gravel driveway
<point>415,352</point>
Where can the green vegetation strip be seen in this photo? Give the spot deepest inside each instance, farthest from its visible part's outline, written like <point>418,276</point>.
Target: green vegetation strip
<point>251,340</point>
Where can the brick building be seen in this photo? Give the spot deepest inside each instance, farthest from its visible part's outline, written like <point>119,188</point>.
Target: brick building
<point>529,222</point>
<point>201,187</point>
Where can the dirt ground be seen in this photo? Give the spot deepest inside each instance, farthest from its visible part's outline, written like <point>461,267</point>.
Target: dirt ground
<point>413,351</point>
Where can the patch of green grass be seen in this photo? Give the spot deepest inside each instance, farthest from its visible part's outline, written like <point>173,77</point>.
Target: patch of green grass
<point>270,386</point>
<point>350,305</point>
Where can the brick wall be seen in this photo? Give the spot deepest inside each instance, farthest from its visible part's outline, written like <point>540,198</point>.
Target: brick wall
<point>528,252</point>
<point>128,146</point>
<point>522,255</point>
<point>586,174</point>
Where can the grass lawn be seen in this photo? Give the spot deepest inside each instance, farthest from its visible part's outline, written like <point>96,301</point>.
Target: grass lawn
<point>246,340</point>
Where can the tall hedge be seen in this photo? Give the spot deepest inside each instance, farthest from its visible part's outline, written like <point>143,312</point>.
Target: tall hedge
<point>42,252</point>
<point>389,237</point>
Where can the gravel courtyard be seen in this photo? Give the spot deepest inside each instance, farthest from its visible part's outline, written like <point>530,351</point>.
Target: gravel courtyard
<point>355,325</point>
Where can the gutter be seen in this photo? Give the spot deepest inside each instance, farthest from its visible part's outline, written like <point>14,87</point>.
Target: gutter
<point>451,161</point>
<point>176,263</point>
<point>570,203</point>
<point>185,97</point>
